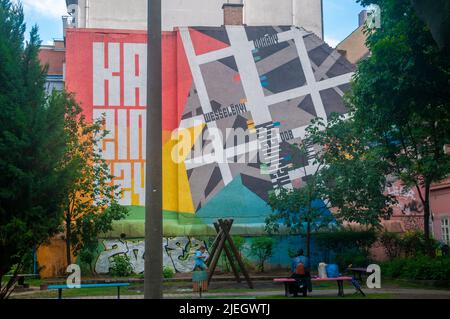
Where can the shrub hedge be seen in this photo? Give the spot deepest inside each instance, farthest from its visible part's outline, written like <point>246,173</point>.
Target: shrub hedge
<point>418,268</point>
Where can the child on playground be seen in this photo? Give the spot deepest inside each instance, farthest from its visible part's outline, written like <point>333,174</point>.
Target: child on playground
<point>200,257</point>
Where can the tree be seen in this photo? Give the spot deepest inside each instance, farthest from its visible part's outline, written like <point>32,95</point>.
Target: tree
<point>261,248</point>
<point>400,99</point>
<point>300,210</point>
<point>437,16</point>
<point>92,202</point>
<point>353,179</point>
<point>32,146</point>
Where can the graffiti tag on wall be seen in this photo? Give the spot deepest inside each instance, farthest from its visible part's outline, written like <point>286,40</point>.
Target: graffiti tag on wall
<point>408,200</point>
<point>178,253</point>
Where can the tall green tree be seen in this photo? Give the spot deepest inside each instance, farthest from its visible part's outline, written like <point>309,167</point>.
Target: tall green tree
<point>400,99</point>
<point>353,179</point>
<point>300,210</point>
<point>436,14</point>
<point>92,204</point>
<point>32,147</point>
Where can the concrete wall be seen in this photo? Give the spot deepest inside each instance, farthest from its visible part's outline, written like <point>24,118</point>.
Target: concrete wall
<point>132,14</point>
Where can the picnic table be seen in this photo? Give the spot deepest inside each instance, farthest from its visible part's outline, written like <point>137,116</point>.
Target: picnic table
<point>339,280</point>
<point>359,271</point>
<point>61,287</point>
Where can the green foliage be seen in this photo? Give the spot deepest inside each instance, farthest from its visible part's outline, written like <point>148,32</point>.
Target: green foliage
<point>92,204</point>
<point>392,244</point>
<point>352,258</point>
<point>88,254</point>
<point>400,99</point>
<point>168,272</point>
<point>345,239</point>
<point>409,244</point>
<point>299,209</point>
<point>261,248</point>
<point>32,144</point>
<point>353,178</point>
<point>414,243</point>
<point>348,246</point>
<point>239,243</point>
<point>121,266</point>
<point>418,268</point>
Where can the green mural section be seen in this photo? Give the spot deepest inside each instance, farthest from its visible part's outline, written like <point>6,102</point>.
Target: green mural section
<point>234,201</point>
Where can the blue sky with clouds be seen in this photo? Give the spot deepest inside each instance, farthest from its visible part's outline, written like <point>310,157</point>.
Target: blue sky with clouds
<point>340,18</point>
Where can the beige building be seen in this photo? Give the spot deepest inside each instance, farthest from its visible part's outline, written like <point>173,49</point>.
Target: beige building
<point>132,14</point>
<point>353,47</point>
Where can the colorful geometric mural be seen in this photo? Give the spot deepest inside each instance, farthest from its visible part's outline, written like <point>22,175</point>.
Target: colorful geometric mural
<point>266,83</point>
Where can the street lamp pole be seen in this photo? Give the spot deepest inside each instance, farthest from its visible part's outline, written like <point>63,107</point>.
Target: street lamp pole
<point>153,271</point>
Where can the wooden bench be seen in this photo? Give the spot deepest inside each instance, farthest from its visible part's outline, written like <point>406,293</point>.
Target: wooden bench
<point>339,280</point>
<point>61,287</point>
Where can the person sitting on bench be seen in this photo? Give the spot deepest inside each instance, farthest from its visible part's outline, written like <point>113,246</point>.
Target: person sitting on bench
<point>300,272</point>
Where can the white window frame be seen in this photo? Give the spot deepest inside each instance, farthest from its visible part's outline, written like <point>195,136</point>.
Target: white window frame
<point>445,230</point>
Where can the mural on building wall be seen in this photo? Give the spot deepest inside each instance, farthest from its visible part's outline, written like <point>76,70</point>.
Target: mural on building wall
<point>178,253</point>
<point>265,82</point>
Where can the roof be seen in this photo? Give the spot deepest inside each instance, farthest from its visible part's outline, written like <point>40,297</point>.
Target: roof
<point>53,58</point>
<point>353,46</point>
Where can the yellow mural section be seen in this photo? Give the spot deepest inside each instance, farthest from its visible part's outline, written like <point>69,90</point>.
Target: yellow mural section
<point>177,193</point>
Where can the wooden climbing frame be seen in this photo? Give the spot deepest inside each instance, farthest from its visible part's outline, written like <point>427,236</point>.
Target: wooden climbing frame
<point>223,227</point>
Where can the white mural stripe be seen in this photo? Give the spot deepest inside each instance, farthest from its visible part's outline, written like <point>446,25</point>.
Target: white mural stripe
<point>203,96</point>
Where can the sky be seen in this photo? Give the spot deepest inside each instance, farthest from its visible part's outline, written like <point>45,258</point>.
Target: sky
<point>340,18</point>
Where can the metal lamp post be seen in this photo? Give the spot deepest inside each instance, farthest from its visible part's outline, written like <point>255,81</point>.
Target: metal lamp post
<point>153,185</point>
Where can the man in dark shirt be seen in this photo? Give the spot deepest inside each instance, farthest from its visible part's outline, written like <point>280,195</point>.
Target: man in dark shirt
<point>300,268</point>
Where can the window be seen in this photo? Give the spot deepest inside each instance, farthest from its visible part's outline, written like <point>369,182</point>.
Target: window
<point>445,230</point>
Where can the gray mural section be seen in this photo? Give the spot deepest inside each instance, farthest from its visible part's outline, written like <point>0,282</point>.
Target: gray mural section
<point>280,78</point>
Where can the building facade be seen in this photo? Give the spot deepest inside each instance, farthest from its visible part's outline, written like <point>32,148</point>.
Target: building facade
<point>132,14</point>
<point>53,56</point>
<point>227,92</point>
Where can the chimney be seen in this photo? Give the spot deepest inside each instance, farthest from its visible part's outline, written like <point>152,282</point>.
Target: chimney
<point>233,12</point>
<point>363,15</point>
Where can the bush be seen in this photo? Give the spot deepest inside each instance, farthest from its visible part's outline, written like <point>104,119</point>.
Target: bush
<point>168,272</point>
<point>411,243</point>
<point>121,266</point>
<point>343,240</point>
<point>418,268</point>
<point>262,248</point>
<point>414,243</point>
<point>391,243</point>
<point>87,255</point>
<point>349,247</point>
<point>351,258</point>
<point>239,243</point>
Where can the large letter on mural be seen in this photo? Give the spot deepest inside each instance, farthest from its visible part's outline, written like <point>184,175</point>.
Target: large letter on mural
<point>138,136</point>
<point>135,74</point>
<point>107,144</point>
<point>122,171</point>
<point>106,74</point>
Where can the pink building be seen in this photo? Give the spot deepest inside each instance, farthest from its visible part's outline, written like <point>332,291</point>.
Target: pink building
<point>440,207</point>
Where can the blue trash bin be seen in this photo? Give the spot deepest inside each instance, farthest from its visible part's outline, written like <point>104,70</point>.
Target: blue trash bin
<point>332,271</point>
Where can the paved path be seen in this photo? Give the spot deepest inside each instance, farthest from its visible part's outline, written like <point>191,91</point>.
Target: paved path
<point>395,293</point>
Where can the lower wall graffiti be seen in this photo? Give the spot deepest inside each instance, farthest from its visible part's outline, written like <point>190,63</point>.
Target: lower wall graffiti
<point>178,253</point>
